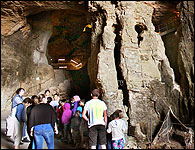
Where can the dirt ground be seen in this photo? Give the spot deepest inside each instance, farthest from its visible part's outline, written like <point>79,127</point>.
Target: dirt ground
<point>7,143</point>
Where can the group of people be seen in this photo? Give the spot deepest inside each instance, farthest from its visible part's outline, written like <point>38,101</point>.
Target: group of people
<point>73,121</point>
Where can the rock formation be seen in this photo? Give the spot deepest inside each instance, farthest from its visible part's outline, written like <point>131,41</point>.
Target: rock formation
<point>128,60</point>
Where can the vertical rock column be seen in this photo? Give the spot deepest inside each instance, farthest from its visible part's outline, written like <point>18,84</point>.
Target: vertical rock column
<point>102,70</point>
<point>186,60</point>
<point>150,86</point>
<point>150,79</point>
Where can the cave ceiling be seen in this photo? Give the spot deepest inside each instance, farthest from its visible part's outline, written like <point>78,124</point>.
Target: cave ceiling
<point>69,42</point>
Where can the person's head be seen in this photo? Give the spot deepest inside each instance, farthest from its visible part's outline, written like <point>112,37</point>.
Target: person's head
<point>77,113</point>
<point>47,92</point>
<point>115,115</point>
<point>35,99</point>
<point>26,102</point>
<point>82,102</point>
<point>67,106</point>
<point>62,102</point>
<point>72,100</point>
<point>20,91</point>
<point>95,93</point>
<point>56,97</point>
<point>49,99</point>
<point>68,100</point>
<point>120,112</point>
<point>76,98</point>
<point>42,98</point>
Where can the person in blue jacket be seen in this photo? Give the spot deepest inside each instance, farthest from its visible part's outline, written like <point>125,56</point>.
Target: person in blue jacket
<point>17,99</point>
<point>20,120</point>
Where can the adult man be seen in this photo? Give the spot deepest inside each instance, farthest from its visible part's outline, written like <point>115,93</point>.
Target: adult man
<point>17,100</point>
<point>97,120</point>
<point>41,123</point>
<point>18,97</point>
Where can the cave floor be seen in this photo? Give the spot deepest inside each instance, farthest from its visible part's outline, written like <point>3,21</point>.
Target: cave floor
<point>7,143</point>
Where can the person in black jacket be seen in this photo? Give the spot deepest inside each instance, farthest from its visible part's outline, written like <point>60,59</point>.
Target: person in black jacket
<point>34,101</point>
<point>42,123</point>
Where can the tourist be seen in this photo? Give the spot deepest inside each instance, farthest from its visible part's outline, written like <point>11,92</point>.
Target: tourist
<point>34,101</point>
<point>97,120</point>
<point>47,93</point>
<point>60,111</point>
<point>66,118</point>
<point>17,99</point>
<point>81,106</point>
<point>49,99</point>
<point>117,127</point>
<point>83,129</point>
<point>42,123</point>
<point>55,102</point>
<point>76,100</point>
<point>75,124</point>
<point>20,120</point>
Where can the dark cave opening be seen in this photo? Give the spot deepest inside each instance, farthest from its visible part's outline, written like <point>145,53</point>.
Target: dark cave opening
<point>139,28</point>
<point>68,48</point>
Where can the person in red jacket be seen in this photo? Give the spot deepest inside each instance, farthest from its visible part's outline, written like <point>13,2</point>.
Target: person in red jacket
<point>60,111</point>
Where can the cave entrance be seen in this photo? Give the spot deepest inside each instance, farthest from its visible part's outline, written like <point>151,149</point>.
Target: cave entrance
<point>69,48</point>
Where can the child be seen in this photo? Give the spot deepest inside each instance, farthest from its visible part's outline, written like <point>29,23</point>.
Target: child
<point>55,102</point>
<point>60,111</point>
<point>118,127</point>
<point>80,107</point>
<point>66,118</point>
<point>75,124</point>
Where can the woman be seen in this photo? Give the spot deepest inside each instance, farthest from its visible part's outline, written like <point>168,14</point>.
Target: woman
<point>41,123</point>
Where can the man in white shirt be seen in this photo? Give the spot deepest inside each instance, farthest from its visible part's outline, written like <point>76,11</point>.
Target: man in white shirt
<point>97,120</point>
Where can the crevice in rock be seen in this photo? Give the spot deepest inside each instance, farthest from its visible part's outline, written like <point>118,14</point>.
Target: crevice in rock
<point>117,53</point>
<point>103,12</point>
<point>121,81</point>
<point>139,28</point>
<point>115,3</point>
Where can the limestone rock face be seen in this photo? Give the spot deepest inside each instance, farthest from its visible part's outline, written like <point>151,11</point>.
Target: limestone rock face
<point>186,59</point>
<point>127,59</point>
<point>143,64</point>
<point>14,13</point>
<point>24,61</point>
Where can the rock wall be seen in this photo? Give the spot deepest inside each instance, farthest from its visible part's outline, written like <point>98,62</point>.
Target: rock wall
<point>186,60</point>
<point>24,62</point>
<point>149,87</point>
<point>127,59</point>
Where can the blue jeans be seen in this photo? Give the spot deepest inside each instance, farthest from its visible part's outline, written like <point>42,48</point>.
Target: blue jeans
<point>41,132</point>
